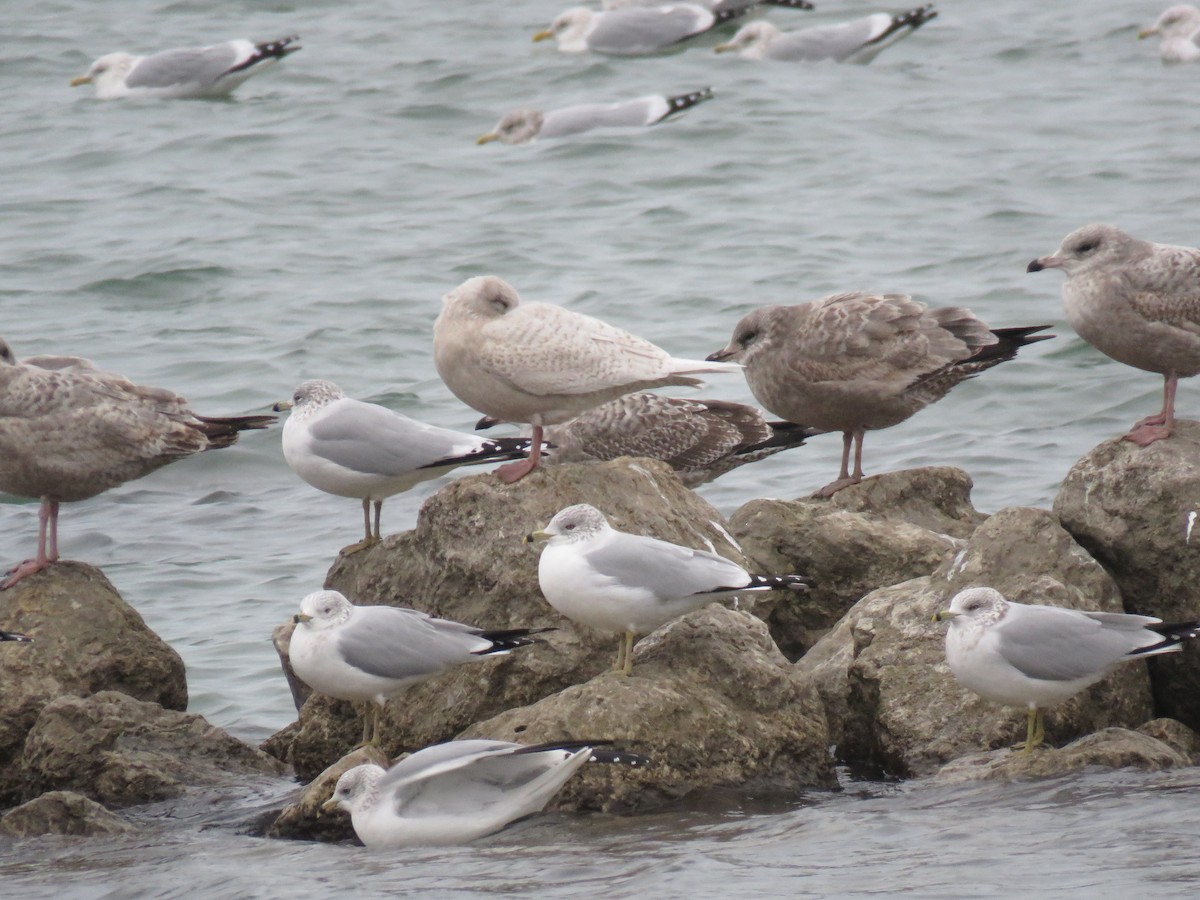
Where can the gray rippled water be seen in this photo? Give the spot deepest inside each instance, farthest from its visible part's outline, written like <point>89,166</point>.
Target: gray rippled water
<point>309,226</point>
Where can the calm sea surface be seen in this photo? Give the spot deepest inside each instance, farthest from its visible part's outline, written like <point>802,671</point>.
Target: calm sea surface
<point>309,226</point>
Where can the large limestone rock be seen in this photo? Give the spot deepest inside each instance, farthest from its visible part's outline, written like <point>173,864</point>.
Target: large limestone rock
<point>889,695</point>
<point>62,812</point>
<point>888,529</point>
<point>465,560</point>
<point>1137,511</point>
<point>305,820</point>
<point>86,639</point>
<point>122,752</point>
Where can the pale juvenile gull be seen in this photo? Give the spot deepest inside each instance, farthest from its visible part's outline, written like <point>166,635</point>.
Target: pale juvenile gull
<point>1179,30</point>
<point>859,40</point>
<point>858,361</point>
<point>630,584</point>
<point>355,449</point>
<point>371,653</point>
<point>1040,656</point>
<point>190,72</point>
<point>461,790</point>
<point>14,636</point>
<point>715,5</point>
<point>1137,302</point>
<point>540,364</point>
<point>700,439</point>
<point>632,31</point>
<point>524,125</point>
<point>69,431</point>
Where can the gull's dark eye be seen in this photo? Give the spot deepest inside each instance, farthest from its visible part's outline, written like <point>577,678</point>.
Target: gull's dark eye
<point>1086,247</point>
<point>570,526</point>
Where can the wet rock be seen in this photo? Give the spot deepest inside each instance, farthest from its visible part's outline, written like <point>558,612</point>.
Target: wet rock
<point>465,560</point>
<point>890,697</point>
<point>304,819</point>
<point>1175,735</point>
<point>1137,511</point>
<point>711,701</point>
<point>888,529</point>
<point>86,639</point>
<point>123,752</point>
<point>281,638</point>
<point>62,812</point>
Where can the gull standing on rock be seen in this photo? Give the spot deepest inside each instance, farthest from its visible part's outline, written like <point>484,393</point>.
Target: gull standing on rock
<point>1137,302</point>
<point>540,364</point>
<point>858,362</point>
<point>859,40</point>
<point>372,653</point>
<point>70,431</point>
<point>192,72</point>
<point>1179,28</point>
<point>461,790</point>
<point>1040,656</point>
<point>630,584</point>
<point>634,30</point>
<point>355,449</point>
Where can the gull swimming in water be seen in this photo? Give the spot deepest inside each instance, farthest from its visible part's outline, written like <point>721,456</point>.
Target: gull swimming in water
<point>540,364</point>
<point>70,431</point>
<point>354,449</point>
<point>858,41</point>
<point>633,30</point>
<point>1179,30</point>
<point>858,361</point>
<point>373,653</point>
<point>1040,656</point>
<point>630,584</point>
<point>1137,302</point>
<point>191,72</point>
<point>461,790</point>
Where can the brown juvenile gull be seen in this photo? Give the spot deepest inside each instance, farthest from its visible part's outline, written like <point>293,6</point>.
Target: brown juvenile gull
<point>524,125</point>
<point>1137,302</point>
<point>859,40</point>
<point>540,364</point>
<point>634,30</point>
<point>354,449</point>
<point>69,431</point>
<point>858,361</point>
<point>1179,30</point>
<point>700,439</point>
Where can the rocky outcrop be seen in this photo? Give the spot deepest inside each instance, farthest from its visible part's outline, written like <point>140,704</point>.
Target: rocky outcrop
<point>1137,511</point>
<point>465,560</point>
<point>889,695</point>
<point>86,639</point>
<point>886,530</point>
<point>62,812</point>
<point>305,820</point>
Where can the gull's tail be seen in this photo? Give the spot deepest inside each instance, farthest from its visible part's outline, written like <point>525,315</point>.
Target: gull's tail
<point>509,639</point>
<point>223,432</point>
<point>778,583</point>
<point>1173,635</point>
<point>491,450</point>
<point>269,51</point>
<point>681,102</point>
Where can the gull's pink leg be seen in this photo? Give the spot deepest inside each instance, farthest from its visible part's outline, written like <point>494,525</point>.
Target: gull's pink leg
<point>47,514</point>
<point>53,555</point>
<point>1155,428</point>
<point>845,478</point>
<point>513,472</point>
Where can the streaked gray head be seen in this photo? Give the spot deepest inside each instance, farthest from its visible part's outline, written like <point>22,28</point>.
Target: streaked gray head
<point>484,296</point>
<point>111,66</point>
<point>7,357</point>
<point>519,126</point>
<point>572,21</point>
<point>356,787</point>
<point>316,393</point>
<point>981,606</point>
<point>326,608</point>
<point>753,334</point>
<point>1091,248</point>
<point>577,523</point>
<point>1177,21</point>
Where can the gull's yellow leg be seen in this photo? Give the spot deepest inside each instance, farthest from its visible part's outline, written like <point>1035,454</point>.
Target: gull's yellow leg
<point>366,717</point>
<point>1039,732</point>
<point>619,665</point>
<point>375,732</point>
<point>628,642</point>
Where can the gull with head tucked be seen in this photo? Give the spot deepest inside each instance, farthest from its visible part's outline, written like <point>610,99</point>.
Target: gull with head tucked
<point>540,364</point>
<point>859,40</point>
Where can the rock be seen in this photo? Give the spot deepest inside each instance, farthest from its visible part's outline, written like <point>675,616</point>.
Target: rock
<point>1175,735</point>
<point>888,529</point>
<point>465,561</point>
<point>890,697</point>
<point>123,752</point>
<point>1110,748</point>
<point>1137,511</point>
<point>62,812</point>
<point>86,639</point>
<point>281,638</point>
<point>711,701</point>
<point>304,819</point>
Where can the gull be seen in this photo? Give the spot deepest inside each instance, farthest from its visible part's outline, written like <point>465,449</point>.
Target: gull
<point>524,125</point>
<point>70,431</point>
<point>1040,656</point>
<point>14,636</point>
<point>700,439</point>
<point>857,362</point>
<point>372,653</point>
<point>859,40</point>
<point>185,72</point>
<point>1179,28</point>
<point>714,5</point>
<point>540,364</point>
<point>630,584</point>
<point>634,30</point>
<point>1137,302</point>
<point>461,790</point>
<point>355,449</point>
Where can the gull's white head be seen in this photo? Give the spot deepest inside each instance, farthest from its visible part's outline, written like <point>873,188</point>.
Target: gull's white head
<point>484,297</point>
<point>311,396</point>
<point>355,789</point>
<point>574,523</point>
<point>1090,248</point>
<point>751,41</point>
<point>570,27</point>
<point>975,607</point>
<point>108,74</point>
<point>323,609</point>
<point>517,127</point>
<point>1174,22</point>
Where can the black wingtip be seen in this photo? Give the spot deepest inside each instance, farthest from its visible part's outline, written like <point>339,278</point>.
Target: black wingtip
<point>510,638</point>
<point>15,636</point>
<point>789,4</point>
<point>603,751</point>
<point>278,49</point>
<point>681,102</point>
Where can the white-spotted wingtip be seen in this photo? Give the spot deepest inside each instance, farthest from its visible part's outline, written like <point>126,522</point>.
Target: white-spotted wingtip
<point>1191,521</point>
